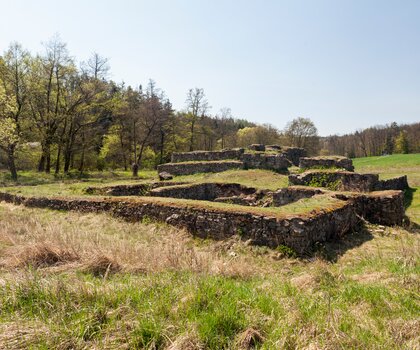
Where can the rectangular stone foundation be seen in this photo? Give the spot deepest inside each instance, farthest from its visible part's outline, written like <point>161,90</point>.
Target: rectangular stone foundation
<point>298,231</point>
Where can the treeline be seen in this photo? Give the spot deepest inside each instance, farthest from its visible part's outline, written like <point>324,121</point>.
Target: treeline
<point>59,116</point>
<point>375,141</point>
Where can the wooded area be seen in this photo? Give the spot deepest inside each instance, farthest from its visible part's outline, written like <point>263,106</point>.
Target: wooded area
<point>58,116</point>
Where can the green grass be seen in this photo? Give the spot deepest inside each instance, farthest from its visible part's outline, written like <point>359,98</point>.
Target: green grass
<point>33,178</point>
<point>367,299</point>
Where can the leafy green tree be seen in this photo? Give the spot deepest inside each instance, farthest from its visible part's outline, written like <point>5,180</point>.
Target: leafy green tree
<point>401,143</point>
<point>13,96</point>
<point>302,132</point>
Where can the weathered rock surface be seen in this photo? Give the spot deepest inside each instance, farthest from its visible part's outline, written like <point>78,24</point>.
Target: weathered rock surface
<point>339,180</point>
<point>379,207</point>
<point>165,176</point>
<point>257,147</point>
<point>293,193</point>
<point>293,154</point>
<point>396,183</point>
<point>207,155</point>
<point>326,162</point>
<point>275,162</point>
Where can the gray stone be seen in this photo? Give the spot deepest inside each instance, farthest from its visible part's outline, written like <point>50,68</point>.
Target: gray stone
<point>164,176</point>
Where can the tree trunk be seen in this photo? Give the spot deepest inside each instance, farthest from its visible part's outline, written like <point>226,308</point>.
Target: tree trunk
<point>11,161</point>
<point>57,163</point>
<point>48,160</point>
<point>41,163</point>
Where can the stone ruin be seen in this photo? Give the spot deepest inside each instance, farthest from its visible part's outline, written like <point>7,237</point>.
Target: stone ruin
<point>258,156</point>
<point>220,210</point>
<point>326,162</point>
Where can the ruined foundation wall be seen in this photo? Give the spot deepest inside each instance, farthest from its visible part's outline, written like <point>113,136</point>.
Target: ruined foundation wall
<point>342,180</point>
<point>205,191</point>
<point>396,183</point>
<point>292,194</point>
<point>380,207</point>
<point>298,232</point>
<point>206,155</point>
<point>293,154</point>
<point>326,162</point>
<point>275,162</point>
<point>199,167</point>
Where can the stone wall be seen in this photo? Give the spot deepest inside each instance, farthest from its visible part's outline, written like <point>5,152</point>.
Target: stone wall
<point>292,194</point>
<point>293,154</point>
<point>128,190</point>
<point>275,162</point>
<point>120,190</point>
<point>257,147</point>
<point>208,191</point>
<point>326,162</point>
<point>339,180</point>
<point>299,232</point>
<point>199,167</point>
<point>396,183</point>
<point>379,207</point>
<point>207,155</point>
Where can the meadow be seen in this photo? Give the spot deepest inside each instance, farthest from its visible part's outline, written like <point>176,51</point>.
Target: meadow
<point>90,281</point>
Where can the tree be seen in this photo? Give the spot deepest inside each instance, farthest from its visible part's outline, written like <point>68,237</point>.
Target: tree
<point>401,143</point>
<point>197,106</point>
<point>301,132</point>
<point>13,96</point>
<point>49,75</point>
<point>96,66</point>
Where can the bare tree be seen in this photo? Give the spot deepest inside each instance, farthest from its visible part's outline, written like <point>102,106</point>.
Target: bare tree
<point>197,106</point>
<point>96,66</point>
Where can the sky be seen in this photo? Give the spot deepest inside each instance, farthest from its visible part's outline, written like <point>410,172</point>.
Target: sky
<point>344,64</point>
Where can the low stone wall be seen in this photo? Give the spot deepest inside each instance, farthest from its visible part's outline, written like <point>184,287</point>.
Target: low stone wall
<point>128,190</point>
<point>257,147</point>
<point>326,162</point>
<point>199,167</point>
<point>297,232</point>
<point>396,183</point>
<point>293,154</point>
<point>120,190</point>
<point>275,162</point>
<point>206,155</point>
<point>379,207</point>
<point>208,191</point>
<point>340,180</point>
<point>292,194</point>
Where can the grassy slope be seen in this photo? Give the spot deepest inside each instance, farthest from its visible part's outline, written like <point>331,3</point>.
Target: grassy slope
<point>72,280</point>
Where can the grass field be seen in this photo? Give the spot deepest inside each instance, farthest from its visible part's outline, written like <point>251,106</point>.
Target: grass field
<point>84,281</point>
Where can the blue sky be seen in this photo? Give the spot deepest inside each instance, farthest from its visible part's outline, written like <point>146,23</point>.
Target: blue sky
<point>344,64</point>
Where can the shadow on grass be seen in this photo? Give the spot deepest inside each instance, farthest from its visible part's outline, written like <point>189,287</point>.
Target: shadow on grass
<point>331,251</point>
<point>409,196</point>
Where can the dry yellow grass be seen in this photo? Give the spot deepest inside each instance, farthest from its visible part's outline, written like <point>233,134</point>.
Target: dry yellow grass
<point>73,280</point>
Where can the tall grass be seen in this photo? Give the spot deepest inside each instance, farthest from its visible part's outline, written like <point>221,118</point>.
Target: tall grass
<point>80,281</point>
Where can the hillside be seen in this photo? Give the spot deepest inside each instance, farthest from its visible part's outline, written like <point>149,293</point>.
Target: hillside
<point>75,281</point>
